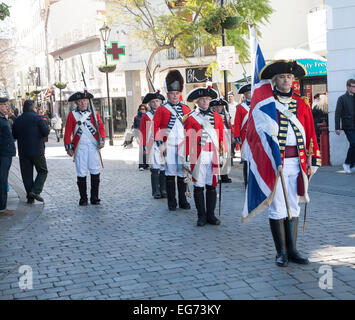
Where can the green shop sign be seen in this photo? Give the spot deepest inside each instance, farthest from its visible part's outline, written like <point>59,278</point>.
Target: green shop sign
<point>314,67</point>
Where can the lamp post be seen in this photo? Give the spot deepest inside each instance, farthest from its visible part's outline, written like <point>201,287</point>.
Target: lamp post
<point>105,33</point>
<point>224,72</point>
<point>59,60</point>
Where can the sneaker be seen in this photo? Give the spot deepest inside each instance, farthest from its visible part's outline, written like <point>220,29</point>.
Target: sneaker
<point>141,169</point>
<point>7,213</point>
<point>346,168</point>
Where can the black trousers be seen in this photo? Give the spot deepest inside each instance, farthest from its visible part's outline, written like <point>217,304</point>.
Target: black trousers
<point>350,157</point>
<point>5,164</point>
<point>26,165</point>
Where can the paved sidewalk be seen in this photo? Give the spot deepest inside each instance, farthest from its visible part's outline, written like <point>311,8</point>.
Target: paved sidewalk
<point>132,247</point>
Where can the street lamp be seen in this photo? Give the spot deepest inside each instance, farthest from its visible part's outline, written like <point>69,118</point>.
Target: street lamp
<point>105,33</point>
<point>225,72</point>
<point>59,60</point>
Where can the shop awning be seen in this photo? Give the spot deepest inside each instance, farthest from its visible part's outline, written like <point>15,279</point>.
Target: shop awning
<point>315,64</point>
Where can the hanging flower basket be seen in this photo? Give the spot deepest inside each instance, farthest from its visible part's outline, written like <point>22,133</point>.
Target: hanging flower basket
<point>35,92</point>
<point>60,85</point>
<point>232,22</point>
<point>107,68</point>
<point>213,30</point>
<point>226,17</point>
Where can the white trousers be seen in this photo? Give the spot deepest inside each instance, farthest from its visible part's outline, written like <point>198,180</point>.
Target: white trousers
<point>174,166</point>
<point>87,159</point>
<point>155,159</point>
<point>205,171</point>
<point>277,209</point>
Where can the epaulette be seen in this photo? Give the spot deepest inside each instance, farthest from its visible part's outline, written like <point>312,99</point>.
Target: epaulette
<point>306,101</point>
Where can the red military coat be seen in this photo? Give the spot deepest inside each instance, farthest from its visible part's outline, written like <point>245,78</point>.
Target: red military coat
<point>240,121</point>
<point>193,139</point>
<point>161,120</point>
<point>304,114</point>
<point>71,137</point>
<point>147,131</point>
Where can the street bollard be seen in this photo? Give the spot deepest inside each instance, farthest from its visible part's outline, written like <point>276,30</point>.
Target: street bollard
<point>324,144</point>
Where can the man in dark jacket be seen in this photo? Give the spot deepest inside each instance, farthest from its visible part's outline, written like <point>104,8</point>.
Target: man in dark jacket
<point>345,111</point>
<point>31,130</point>
<point>7,151</point>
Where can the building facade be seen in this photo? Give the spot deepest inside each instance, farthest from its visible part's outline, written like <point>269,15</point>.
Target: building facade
<point>341,66</point>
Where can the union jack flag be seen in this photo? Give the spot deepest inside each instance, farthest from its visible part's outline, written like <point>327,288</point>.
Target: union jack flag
<point>261,148</point>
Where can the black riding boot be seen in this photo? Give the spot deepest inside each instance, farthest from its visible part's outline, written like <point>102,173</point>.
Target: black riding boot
<point>82,191</point>
<point>94,193</point>
<point>155,183</point>
<point>183,204</point>
<point>162,183</point>
<point>211,200</point>
<point>291,228</point>
<point>278,233</point>
<point>199,198</point>
<point>225,178</point>
<point>170,190</point>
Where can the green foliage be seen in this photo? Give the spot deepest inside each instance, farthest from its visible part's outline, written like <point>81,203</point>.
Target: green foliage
<point>4,11</point>
<point>182,24</point>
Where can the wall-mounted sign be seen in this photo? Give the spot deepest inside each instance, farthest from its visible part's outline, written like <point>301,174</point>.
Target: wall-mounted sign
<point>197,75</point>
<point>314,67</point>
<point>226,57</point>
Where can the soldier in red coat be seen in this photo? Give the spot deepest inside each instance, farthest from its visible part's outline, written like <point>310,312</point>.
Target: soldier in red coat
<point>220,106</point>
<point>150,149</point>
<point>204,140</point>
<point>300,157</point>
<point>168,135</point>
<point>240,124</point>
<point>81,141</point>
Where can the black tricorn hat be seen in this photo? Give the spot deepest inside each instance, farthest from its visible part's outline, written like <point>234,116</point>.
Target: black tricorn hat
<point>174,81</point>
<point>244,88</point>
<point>153,95</point>
<point>80,95</point>
<point>282,66</point>
<point>201,92</point>
<point>3,99</point>
<point>218,102</point>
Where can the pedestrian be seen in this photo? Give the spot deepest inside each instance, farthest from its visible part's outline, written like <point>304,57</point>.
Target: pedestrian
<point>297,139</point>
<point>142,163</point>
<point>81,142</point>
<point>315,100</point>
<point>7,151</point>
<point>150,149</point>
<point>232,105</point>
<point>31,131</point>
<point>204,145</point>
<point>220,106</point>
<point>320,114</point>
<point>169,134</point>
<point>345,111</point>
<point>57,123</point>
<point>240,125</point>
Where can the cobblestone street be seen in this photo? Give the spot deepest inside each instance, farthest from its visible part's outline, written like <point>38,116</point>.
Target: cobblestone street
<point>132,247</point>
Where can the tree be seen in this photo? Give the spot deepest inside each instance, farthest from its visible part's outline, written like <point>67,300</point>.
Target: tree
<point>7,54</point>
<point>4,11</point>
<point>182,24</point>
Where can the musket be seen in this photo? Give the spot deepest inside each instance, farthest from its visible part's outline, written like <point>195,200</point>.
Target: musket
<point>220,188</point>
<point>150,77</point>
<point>93,113</point>
<point>310,154</point>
